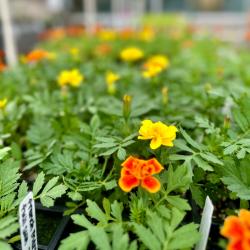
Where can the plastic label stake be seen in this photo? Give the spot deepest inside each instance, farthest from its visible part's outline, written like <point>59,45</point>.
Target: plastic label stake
<point>27,221</point>
<point>205,225</point>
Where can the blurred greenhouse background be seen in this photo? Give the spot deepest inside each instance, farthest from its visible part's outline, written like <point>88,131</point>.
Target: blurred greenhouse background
<point>229,19</point>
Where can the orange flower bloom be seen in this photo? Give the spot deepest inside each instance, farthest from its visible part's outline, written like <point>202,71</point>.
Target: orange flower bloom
<point>37,55</point>
<point>2,67</point>
<point>137,172</point>
<point>75,30</point>
<point>237,230</point>
<point>103,49</point>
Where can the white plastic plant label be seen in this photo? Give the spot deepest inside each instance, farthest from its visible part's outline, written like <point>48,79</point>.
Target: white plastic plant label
<point>206,221</point>
<point>27,221</point>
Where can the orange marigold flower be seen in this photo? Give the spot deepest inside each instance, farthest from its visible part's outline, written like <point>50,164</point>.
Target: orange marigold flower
<point>102,49</point>
<point>137,172</point>
<point>2,67</point>
<point>37,55</point>
<point>237,230</point>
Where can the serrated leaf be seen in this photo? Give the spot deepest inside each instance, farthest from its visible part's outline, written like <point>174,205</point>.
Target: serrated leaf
<point>202,164</point>
<point>184,237</point>
<point>38,183</point>
<point>81,220</point>
<point>148,239</point>
<point>100,238</point>
<point>178,202</point>
<point>211,158</point>
<point>76,241</point>
<point>116,210</point>
<point>191,141</point>
<point>95,212</point>
<point>240,119</point>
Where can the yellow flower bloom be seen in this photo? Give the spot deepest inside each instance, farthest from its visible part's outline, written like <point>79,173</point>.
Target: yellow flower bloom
<point>131,54</point>
<point>147,34</point>
<point>70,77</point>
<point>158,133</point>
<point>3,103</point>
<point>74,51</point>
<point>111,79</point>
<point>157,60</point>
<point>151,71</point>
<point>107,35</point>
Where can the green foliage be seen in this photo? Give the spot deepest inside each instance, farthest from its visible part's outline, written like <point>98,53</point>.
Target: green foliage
<point>162,229</point>
<point>50,191</point>
<point>236,175</point>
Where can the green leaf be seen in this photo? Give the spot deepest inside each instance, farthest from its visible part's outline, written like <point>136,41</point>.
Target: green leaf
<point>191,141</point>
<point>4,152</point>
<point>76,241</point>
<point>38,183</point>
<point>178,202</point>
<point>211,158</point>
<point>110,184</point>
<point>81,220</point>
<point>95,123</point>
<point>110,151</point>
<point>240,119</point>
<point>237,177</point>
<point>202,164</point>
<point>106,145</point>
<point>121,154</point>
<point>148,239</point>
<point>100,238</point>
<point>5,246</point>
<point>8,226</point>
<point>230,149</point>
<point>116,210</point>
<point>95,212</point>
<point>184,237</point>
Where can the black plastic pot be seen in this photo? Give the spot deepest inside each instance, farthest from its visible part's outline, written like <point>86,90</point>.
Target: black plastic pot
<point>50,224</point>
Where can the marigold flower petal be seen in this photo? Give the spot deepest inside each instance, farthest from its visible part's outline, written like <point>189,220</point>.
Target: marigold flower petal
<point>244,217</point>
<point>157,166</point>
<point>236,244</point>
<point>155,142</point>
<point>151,184</point>
<point>232,228</point>
<point>129,162</point>
<point>128,182</point>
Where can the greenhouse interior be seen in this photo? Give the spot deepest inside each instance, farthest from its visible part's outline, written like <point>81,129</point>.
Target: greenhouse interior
<point>124,124</point>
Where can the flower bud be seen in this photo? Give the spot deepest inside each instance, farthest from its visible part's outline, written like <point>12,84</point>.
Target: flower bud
<point>164,92</point>
<point>126,106</point>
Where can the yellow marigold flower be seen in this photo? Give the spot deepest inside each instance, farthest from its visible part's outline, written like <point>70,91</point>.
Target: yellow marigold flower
<point>151,71</point>
<point>3,103</point>
<point>131,54</point>
<point>158,133</point>
<point>74,51</point>
<point>157,60</point>
<point>147,34</point>
<point>70,77</point>
<point>107,35</point>
<point>111,79</point>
